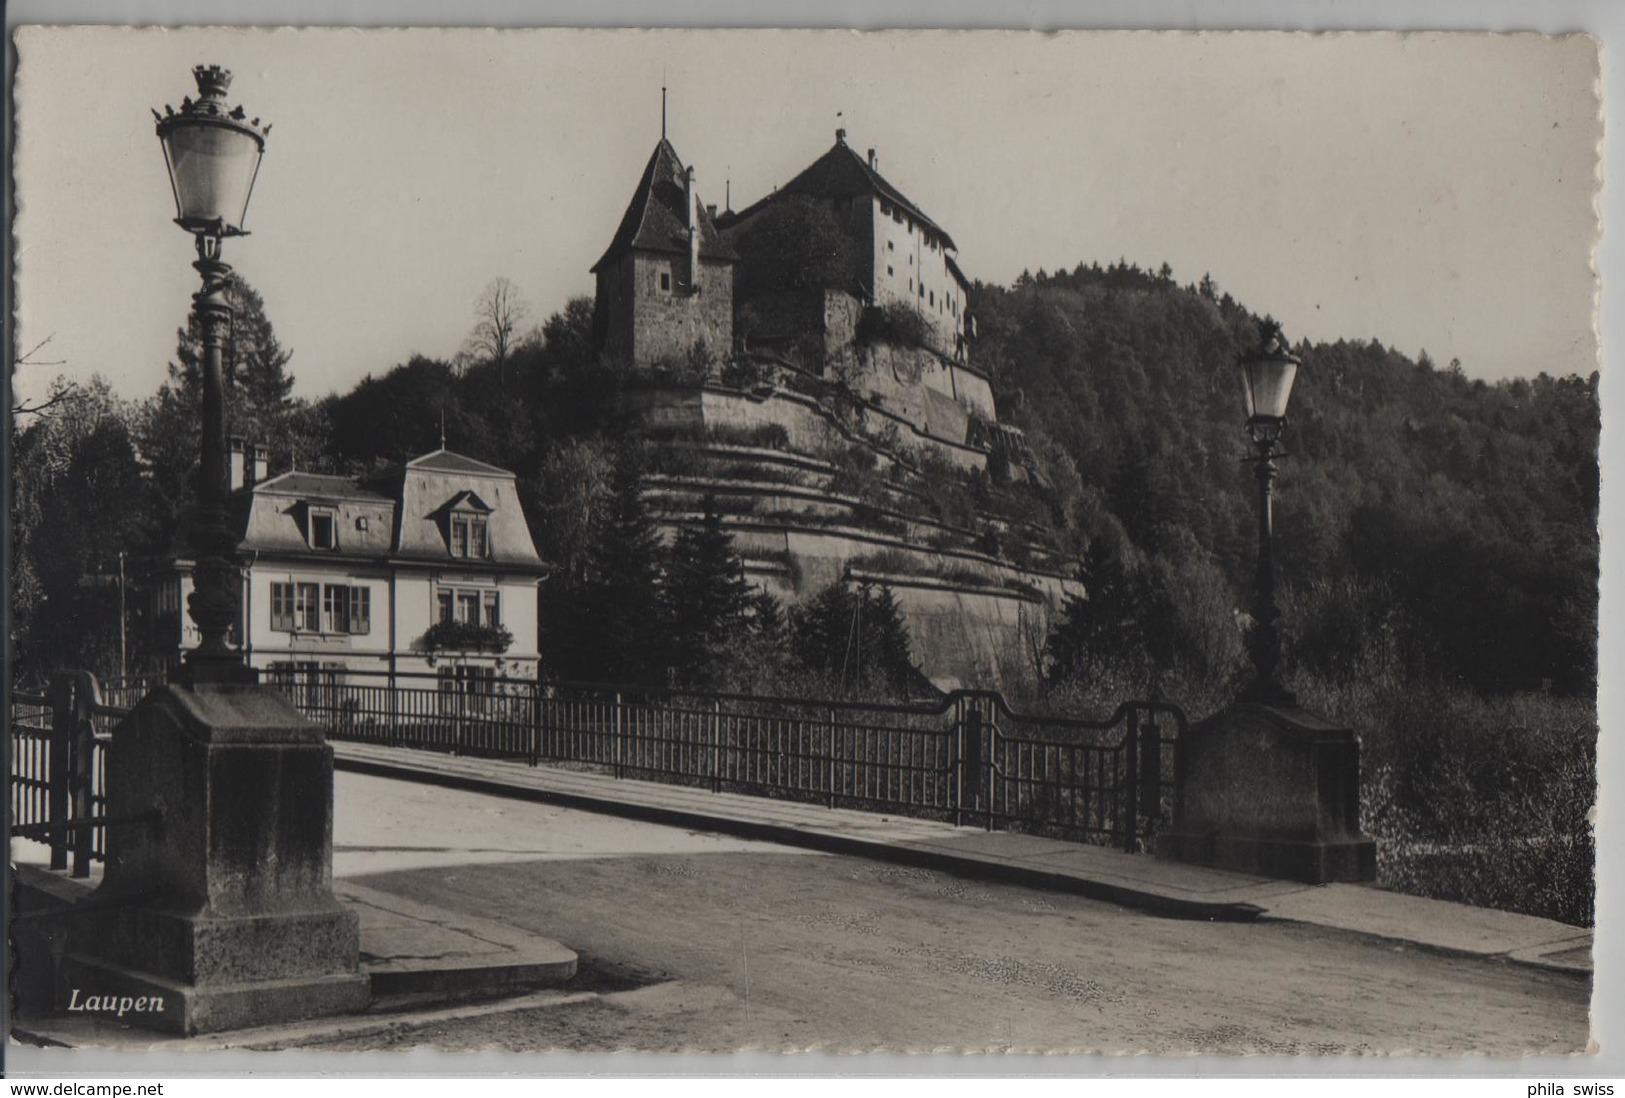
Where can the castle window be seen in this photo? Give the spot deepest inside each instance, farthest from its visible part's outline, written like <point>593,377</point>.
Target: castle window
<point>665,281</point>
<point>891,245</point>
<point>933,298</point>
<point>911,285</point>
<point>889,270</point>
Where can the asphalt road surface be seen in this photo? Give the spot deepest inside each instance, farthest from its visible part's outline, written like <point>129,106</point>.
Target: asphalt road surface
<point>705,942</point>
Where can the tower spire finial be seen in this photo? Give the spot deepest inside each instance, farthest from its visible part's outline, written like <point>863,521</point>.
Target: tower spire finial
<point>662,104</point>
<point>442,426</point>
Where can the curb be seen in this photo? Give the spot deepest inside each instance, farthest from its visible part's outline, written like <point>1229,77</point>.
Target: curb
<point>1155,903</point>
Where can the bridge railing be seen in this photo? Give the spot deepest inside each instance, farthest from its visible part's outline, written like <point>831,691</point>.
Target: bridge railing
<point>58,782</point>
<point>967,757</point>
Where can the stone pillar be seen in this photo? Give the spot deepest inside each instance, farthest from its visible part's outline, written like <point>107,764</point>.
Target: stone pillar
<point>1272,790</point>
<point>218,904</point>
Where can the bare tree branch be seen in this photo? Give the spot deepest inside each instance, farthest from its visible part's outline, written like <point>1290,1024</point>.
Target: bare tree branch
<point>57,397</point>
<point>27,358</point>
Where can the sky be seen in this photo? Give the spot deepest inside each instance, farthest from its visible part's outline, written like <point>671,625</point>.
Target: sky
<point>1431,191</point>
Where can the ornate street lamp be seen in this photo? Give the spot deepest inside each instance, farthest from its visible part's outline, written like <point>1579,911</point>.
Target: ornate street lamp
<point>1267,374</point>
<point>213,154</point>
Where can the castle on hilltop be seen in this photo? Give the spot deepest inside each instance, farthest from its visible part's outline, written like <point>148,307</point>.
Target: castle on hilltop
<point>827,410</point>
<point>667,279</point>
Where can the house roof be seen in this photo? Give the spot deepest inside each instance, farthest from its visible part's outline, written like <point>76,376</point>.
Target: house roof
<point>959,275</point>
<point>396,514</point>
<point>322,485</point>
<point>656,220</point>
<point>842,173</point>
<point>444,461</point>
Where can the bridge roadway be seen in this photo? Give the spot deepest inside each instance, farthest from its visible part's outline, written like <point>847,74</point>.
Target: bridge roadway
<point>699,940</point>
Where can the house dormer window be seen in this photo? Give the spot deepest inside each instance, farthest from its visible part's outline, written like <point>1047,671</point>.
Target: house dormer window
<point>465,520</point>
<point>323,528</point>
<point>470,536</point>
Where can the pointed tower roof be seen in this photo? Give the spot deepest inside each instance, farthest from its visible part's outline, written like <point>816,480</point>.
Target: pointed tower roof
<point>842,173</point>
<point>656,219</point>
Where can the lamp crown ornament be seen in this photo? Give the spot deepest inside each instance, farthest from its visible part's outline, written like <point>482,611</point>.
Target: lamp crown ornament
<point>213,82</point>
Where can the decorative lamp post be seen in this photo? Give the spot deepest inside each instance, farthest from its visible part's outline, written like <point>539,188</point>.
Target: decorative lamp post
<point>216,904</point>
<point>1264,786</point>
<point>1267,374</point>
<point>213,155</point>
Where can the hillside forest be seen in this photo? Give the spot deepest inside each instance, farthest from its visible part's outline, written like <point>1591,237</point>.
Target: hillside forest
<point>1436,549</point>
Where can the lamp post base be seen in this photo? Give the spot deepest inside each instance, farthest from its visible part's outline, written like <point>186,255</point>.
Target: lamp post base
<point>220,905</point>
<point>1273,790</point>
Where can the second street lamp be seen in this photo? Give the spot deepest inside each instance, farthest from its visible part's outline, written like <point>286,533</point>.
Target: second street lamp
<point>213,155</point>
<point>1267,373</point>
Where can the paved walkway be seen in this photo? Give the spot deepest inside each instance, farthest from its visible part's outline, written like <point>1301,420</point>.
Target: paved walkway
<point>1136,880</point>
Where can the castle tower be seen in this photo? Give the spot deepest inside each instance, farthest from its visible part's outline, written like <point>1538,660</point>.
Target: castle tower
<point>666,281</point>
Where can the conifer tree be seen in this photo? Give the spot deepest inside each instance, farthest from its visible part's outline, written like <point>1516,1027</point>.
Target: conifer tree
<point>706,598</point>
<point>857,638</point>
<point>615,629</point>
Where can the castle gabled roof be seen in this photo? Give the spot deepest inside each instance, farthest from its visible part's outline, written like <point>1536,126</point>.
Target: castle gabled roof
<point>656,220</point>
<point>842,173</point>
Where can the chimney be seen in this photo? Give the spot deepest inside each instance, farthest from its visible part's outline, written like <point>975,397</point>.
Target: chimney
<point>692,203</point>
<point>235,447</point>
<point>873,164</point>
<point>840,137</point>
<point>261,465</point>
<point>711,210</point>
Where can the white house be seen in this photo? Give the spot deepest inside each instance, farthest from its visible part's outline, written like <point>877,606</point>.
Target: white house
<point>427,567</point>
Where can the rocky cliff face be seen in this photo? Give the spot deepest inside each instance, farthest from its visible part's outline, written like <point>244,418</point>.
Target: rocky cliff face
<point>832,457</point>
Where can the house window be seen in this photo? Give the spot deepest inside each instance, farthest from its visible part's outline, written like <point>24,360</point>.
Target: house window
<point>911,285</point>
<point>462,685</point>
<point>889,270</point>
<point>470,536</point>
<point>315,608</point>
<point>346,609</point>
<point>361,610</point>
<point>282,607</point>
<point>891,246</point>
<point>335,609</point>
<point>324,529</point>
<point>665,281</point>
<point>307,610</point>
<point>932,298</point>
<point>307,684</point>
<point>468,605</point>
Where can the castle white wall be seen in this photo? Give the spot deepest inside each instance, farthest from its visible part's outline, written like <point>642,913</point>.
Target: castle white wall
<point>911,268</point>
